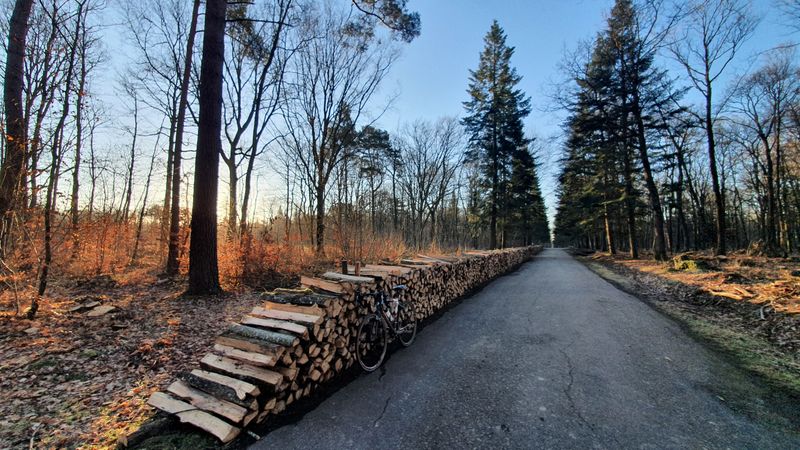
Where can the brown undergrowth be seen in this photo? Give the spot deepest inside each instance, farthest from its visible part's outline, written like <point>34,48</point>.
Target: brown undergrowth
<point>70,380</point>
<point>78,376</point>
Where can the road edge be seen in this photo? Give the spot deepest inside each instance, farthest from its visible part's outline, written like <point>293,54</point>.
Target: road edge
<point>756,358</point>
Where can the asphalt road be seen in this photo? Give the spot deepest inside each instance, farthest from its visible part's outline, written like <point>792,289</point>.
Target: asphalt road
<point>550,356</point>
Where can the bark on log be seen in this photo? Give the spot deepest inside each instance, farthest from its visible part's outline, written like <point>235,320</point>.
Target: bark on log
<point>264,335</point>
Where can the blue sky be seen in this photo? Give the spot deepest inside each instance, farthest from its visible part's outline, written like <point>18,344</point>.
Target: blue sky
<point>432,74</point>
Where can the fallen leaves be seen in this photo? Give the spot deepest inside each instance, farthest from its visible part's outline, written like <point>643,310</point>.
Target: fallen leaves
<point>758,294</point>
<point>80,380</point>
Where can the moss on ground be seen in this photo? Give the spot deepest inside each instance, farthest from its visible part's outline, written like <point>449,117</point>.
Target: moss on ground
<point>752,353</point>
<point>179,441</point>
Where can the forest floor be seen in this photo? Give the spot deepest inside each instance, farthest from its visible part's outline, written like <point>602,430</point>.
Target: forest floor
<point>76,377</point>
<point>747,307</point>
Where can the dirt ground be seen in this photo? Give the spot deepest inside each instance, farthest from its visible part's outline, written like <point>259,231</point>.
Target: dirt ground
<point>748,307</point>
<point>70,379</point>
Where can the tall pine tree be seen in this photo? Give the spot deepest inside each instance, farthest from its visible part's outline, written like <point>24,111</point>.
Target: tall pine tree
<point>497,143</point>
<point>621,100</point>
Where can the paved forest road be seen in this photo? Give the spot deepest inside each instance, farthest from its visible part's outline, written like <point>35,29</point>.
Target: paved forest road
<point>551,356</point>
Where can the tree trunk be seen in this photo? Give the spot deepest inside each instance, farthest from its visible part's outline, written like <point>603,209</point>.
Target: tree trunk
<point>320,219</point>
<point>203,270</point>
<point>74,201</point>
<point>175,207</point>
<point>129,186</point>
<point>14,157</point>
<point>493,218</point>
<point>719,199</point>
<point>233,194</point>
<point>659,241</point>
<point>165,210</point>
<point>612,248</point>
<point>630,207</point>
<point>55,152</point>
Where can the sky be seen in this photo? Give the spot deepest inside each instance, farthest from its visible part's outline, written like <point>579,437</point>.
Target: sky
<point>430,78</point>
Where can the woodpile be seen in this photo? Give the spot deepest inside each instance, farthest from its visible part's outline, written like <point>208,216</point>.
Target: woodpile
<point>300,339</point>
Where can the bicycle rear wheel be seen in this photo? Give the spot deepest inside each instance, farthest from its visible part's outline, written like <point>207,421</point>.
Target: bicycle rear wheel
<point>406,323</point>
<point>371,342</point>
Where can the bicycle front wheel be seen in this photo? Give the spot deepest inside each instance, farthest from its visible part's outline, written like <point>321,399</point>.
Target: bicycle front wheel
<point>406,323</point>
<point>371,342</point>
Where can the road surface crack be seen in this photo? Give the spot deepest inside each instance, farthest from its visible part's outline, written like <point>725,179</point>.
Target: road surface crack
<point>385,406</point>
<point>568,388</point>
<point>568,393</point>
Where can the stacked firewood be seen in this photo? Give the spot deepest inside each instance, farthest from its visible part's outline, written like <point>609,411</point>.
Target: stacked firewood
<point>302,338</point>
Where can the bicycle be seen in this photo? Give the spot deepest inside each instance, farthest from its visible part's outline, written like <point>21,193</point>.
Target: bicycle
<point>391,316</point>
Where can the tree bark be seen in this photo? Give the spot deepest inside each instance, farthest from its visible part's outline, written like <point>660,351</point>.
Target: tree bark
<point>79,105</point>
<point>719,199</point>
<point>203,269</point>
<point>56,154</point>
<point>175,207</point>
<point>659,241</point>
<point>15,127</point>
<point>320,219</point>
<point>129,187</point>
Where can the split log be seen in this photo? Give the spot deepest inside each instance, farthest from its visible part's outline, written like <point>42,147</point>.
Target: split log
<point>283,325</point>
<point>241,370</point>
<point>256,359</point>
<point>308,298</point>
<point>221,386</point>
<point>200,399</point>
<point>324,285</point>
<point>189,414</point>
<point>391,269</point>
<point>311,310</point>
<point>250,345</point>
<point>347,278</point>
<point>271,313</point>
<point>264,335</point>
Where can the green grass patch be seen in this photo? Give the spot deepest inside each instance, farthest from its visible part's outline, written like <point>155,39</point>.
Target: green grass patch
<point>90,353</point>
<point>751,352</point>
<point>41,363</point>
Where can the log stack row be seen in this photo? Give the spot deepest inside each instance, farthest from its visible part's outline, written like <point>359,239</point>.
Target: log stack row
<point>300,339</point>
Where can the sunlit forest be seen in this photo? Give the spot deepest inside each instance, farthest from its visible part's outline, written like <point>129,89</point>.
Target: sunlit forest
<point>175,172</point>
<point>108,179</point>
<point>670,145</point>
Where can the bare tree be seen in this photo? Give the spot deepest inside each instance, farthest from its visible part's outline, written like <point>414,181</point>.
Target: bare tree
<point>131,90</point>
<point>253,82</point>
<point>335,75</point>
<point>764,99</point>
<point>57,152</point>
<point>175,189</point>
<point>159,31</point>
<point>431,156</point>
<point>714,31</point>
